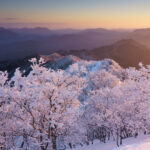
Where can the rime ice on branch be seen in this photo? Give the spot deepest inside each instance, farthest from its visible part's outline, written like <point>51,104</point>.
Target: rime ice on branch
<point>90,100</point>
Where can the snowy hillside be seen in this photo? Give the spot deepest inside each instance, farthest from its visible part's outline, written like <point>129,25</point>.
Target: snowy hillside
<point>89,101</point>
<point>139,143</point>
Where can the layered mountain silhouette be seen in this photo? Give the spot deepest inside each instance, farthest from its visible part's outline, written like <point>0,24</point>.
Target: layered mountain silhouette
<point>126,52</point>
<point>7,35</point>
<point>44,41</point>
<point>142,36</point>
<point>19,45</point>
<point>54,61</point>
<point>43,31</point>
<point>33,31</point>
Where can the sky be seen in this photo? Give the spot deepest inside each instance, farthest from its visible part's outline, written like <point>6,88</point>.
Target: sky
<point>75,13</point>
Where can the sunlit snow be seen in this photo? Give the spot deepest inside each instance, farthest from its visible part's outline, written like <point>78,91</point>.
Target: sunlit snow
<point>139,143</point>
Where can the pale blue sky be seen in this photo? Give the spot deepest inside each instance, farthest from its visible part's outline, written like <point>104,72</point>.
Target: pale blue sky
<point>75,13</point>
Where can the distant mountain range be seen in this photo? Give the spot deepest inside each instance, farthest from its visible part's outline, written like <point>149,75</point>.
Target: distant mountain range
<point>43,31</point>
<point>27,42</point>
<point>7,35</point>
<point>19,45</point>
<point>127,52</point>
<point>142,36</point>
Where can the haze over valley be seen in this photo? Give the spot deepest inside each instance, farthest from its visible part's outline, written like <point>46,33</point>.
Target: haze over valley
<point>126,47</point>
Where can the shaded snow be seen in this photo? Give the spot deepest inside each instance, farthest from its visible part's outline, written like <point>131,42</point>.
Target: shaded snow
<point>139,143</point>
<point>84,68</point>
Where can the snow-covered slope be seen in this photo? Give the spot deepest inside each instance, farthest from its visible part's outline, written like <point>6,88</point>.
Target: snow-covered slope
<point>56,61</point>
<point>139,143</point>
<point>85,67</point>
<point>52,57</point>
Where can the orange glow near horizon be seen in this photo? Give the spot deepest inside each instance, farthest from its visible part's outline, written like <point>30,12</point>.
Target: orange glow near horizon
<point>76,14</point>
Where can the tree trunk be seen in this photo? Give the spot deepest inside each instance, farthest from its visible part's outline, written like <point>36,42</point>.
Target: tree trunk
<point>42,146</point>
<point>54,143</point>
<point>70,145</point>
<point>120,136</point>
<point>117,140</point>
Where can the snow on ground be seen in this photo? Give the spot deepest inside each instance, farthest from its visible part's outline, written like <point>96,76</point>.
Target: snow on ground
<point>139,143</point>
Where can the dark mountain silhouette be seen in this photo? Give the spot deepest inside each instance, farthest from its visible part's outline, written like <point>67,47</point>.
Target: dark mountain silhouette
<point>4,33</point>
<point>87,39</point>
<point>17,50</point>
<point>142,36</point>
<point>33,31</point>
<point>28,45</point>
<point>54,61</point>
<point>7,35</point>
<point>43,31</point>
<point>126,52</point>
<point>11,65</point>
<point>17,44</point>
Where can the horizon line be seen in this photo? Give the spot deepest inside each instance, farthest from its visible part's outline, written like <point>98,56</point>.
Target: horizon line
<point>71,28</point>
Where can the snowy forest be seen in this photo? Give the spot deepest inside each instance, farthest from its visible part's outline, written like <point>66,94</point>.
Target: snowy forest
<point>62,109</point>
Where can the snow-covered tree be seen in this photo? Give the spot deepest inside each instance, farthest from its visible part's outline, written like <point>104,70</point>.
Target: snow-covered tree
<point>121,110</point>
<point>89,100</point>
<point>42,106</point>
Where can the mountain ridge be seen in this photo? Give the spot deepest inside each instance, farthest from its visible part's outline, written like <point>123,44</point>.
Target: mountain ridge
<point>127,52</point>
